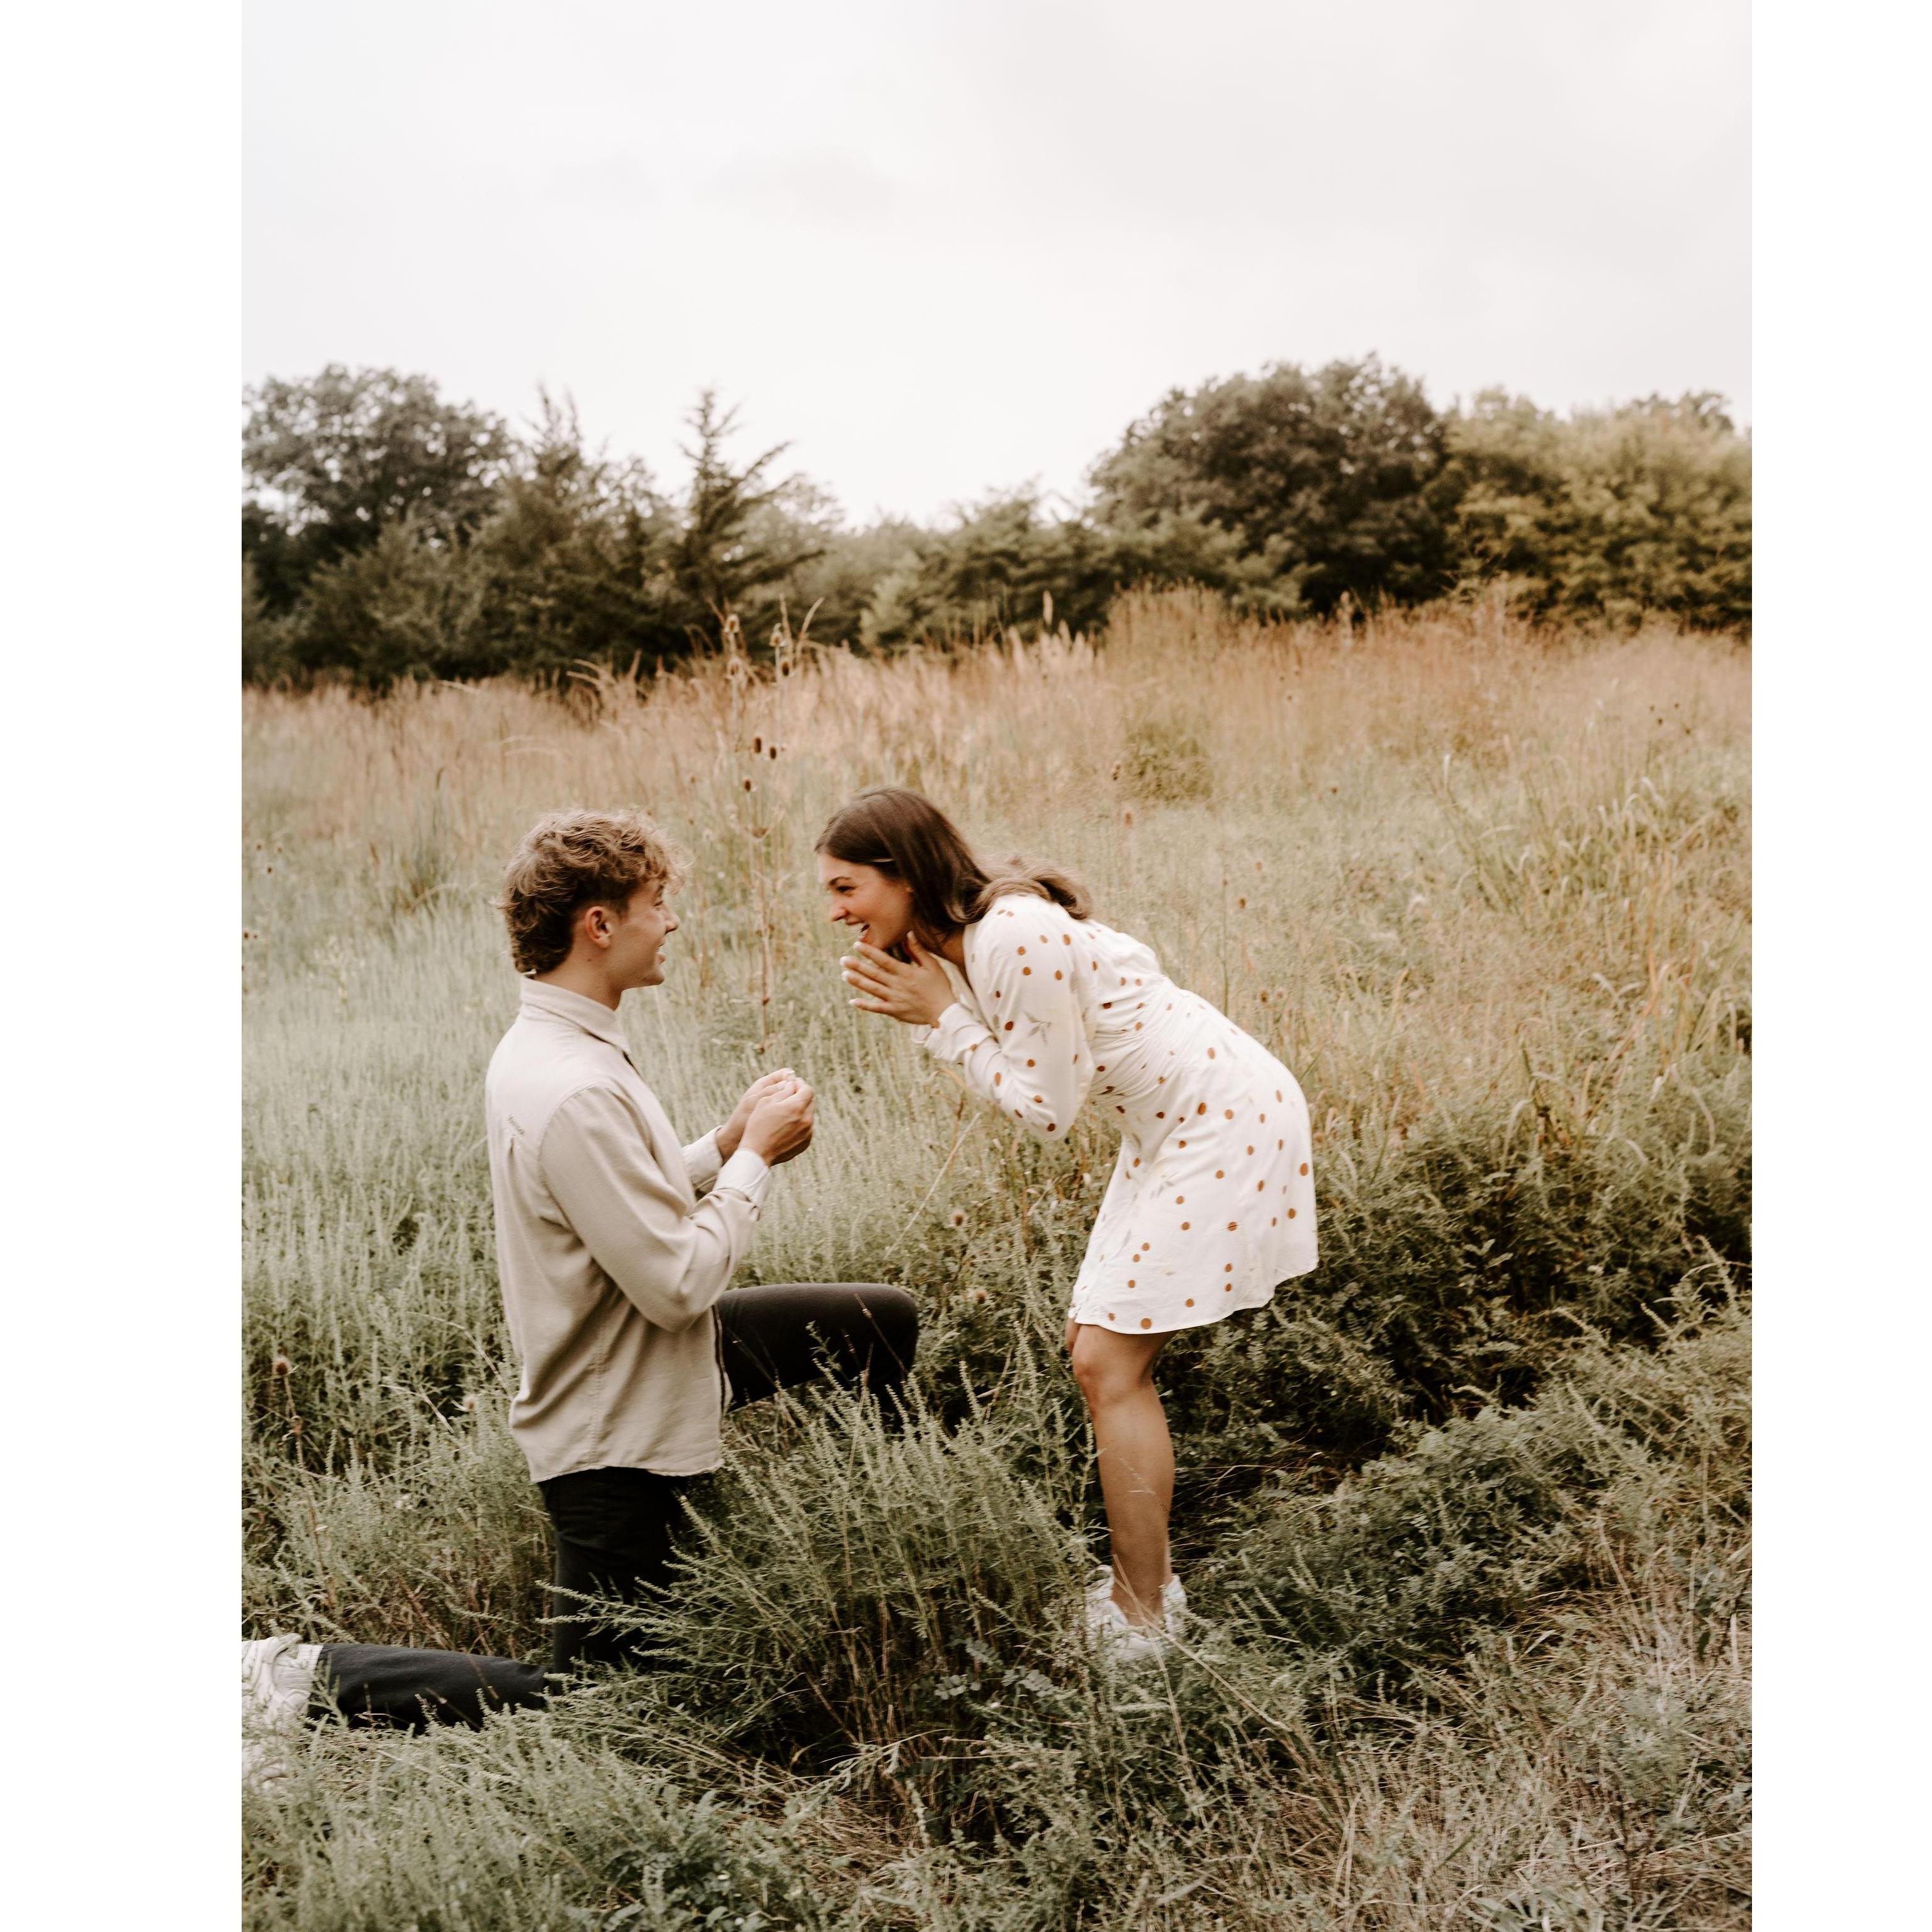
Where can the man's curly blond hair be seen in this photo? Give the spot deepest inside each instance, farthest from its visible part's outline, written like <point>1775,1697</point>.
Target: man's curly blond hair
<point>571,860</point>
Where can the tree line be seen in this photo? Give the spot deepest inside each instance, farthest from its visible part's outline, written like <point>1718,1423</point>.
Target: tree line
<point>389,533</point>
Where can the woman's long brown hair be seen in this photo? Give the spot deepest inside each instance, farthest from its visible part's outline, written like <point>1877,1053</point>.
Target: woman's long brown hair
<point>897,831</point>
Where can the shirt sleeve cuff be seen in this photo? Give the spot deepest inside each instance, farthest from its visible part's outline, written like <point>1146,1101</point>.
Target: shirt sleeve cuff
<point>956,1035</point>
<point>745,1174</point>
<point>701,1161</point>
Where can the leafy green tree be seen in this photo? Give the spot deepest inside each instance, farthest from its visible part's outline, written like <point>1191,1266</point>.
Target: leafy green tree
<point>836,588</point>
<point>585,560</point>
<point>574,565</point>
<point>388,534</point>
<point>994,568</point>
<point>1323,484</point>
<point>332,459</point>
<point>998,565</point>
<point>1607,514</point>
<point>398,608</point>
<point>739,536</point>
<point>265,654</point>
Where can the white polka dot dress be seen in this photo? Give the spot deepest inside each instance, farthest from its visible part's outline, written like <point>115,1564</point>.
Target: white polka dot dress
<point>1212,1202</point>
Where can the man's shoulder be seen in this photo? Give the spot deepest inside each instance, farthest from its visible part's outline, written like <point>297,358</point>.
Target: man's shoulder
<point>537,1067</point>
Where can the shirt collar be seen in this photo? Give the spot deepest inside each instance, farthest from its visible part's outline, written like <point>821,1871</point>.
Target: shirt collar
<point>559,1003</point>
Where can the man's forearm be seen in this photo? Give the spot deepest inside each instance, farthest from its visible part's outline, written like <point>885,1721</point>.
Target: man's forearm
<point>728,1137</point>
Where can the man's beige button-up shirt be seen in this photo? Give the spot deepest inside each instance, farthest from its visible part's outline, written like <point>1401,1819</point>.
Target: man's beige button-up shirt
<point>609,1262</point>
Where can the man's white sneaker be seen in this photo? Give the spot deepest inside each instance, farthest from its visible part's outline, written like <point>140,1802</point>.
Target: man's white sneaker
<point>278,1674</point>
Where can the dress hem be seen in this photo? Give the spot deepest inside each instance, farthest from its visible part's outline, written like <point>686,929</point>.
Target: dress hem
<point>1233,1305</point>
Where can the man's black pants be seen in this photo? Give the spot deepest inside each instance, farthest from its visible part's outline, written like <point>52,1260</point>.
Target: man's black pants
<point>382,1684</point>
<point>615,1528</point>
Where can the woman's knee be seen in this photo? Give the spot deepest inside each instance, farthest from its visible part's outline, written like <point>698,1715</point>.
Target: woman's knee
<point>1109,1367</point>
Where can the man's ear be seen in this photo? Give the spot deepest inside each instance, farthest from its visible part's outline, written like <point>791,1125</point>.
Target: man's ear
<point>593,922</point>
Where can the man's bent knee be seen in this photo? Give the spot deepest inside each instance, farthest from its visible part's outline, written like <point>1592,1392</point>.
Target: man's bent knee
<point>893,1316</point>
<point>896,1316</point>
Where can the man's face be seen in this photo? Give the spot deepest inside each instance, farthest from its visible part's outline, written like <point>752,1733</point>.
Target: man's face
<point>637,937</point>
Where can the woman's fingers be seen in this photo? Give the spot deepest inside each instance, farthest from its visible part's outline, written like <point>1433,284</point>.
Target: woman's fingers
<point>880,983</point>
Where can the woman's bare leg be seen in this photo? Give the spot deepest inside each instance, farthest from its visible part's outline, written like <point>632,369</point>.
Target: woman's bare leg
<point>1115,1373</point>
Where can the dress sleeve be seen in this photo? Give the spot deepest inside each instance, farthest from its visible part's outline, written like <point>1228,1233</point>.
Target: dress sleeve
<point>1032,1063</point>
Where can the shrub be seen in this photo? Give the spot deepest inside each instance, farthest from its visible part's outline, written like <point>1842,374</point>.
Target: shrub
<point>1480,1525</point>
<point>401,608</point>
<point>1005,562</point>
<point>842,1572</point>
<point>1609,514</point>
<point>448,1548</point>
<point>517,1828</point>
<point>1165,761</point>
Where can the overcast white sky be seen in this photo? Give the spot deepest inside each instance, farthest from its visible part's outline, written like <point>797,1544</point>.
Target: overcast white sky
<point>950,247</point>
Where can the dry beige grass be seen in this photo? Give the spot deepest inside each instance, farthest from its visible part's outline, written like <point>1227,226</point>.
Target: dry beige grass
<point>1289,812</point>
<point>1484,888</point>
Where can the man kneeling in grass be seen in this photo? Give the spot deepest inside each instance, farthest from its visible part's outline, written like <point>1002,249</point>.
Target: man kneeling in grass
<point>615,1273</point>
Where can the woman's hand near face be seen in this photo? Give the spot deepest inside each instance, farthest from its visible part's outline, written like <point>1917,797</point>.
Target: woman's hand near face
<point>915,992</point>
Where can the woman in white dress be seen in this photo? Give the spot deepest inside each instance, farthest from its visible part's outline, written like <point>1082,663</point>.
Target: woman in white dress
<point>1043,1009</point>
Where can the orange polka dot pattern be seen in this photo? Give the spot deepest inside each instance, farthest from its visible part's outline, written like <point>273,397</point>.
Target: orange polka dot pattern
<point>1105,1026</point>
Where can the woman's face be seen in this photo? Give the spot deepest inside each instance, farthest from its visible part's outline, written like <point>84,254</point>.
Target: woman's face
<point>875,904</point>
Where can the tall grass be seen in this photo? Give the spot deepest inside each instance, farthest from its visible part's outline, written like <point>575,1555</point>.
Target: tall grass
<point>1470,1538</point>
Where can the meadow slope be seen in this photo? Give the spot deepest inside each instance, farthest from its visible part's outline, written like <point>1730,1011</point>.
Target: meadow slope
<point>1467,1509</point>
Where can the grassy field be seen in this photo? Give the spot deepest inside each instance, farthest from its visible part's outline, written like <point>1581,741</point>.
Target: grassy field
<point>1466,1510</point>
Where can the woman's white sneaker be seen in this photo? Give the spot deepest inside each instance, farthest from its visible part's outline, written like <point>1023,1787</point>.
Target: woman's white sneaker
<point>1120,1638</point>
<point>1117,1640</point>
